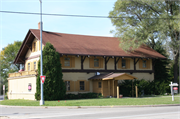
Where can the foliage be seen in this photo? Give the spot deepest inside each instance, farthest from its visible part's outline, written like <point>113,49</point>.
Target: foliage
<point>54,87</point>
<point>145,22</point>
<point>161,72</point>
<point>7,57</point>
<point>83,95</point>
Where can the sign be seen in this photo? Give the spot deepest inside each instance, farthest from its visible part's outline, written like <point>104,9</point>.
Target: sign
<point>175,88</point>
<point>173,84</point>
<point>3,87</point>
<point>29,87</point>
<point>43,78</point>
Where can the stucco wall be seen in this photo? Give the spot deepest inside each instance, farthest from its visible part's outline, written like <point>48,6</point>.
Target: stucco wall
<point>18,87</point>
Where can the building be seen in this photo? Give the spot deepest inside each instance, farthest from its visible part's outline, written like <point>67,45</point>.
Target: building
<point>83,58</point>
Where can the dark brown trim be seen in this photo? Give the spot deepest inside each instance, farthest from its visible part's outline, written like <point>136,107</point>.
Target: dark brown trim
<point>125,71</point>
<point>82,61</point>
<point>135,62</point>
<point>29,46</point>
<point>115,62</point>
<point>35,56</point>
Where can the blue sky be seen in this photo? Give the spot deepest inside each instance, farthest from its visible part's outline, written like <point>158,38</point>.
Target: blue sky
<point>14,27</point>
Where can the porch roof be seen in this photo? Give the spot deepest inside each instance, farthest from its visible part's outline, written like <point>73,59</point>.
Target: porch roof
<point>115,76</point>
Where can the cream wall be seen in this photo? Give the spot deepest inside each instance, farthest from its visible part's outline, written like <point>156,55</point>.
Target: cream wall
<point>79,76</point>
<point>18,87</point>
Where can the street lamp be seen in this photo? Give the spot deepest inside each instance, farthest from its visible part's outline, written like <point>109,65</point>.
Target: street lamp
<point>41,101</point>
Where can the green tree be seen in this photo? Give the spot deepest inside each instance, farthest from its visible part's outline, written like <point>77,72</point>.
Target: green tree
<point>145,22</point>
<point>54,87</point>
<point>7,57</point>
<point>161,71</point>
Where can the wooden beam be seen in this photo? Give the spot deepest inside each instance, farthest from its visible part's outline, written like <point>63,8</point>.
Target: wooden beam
<point>82,61</point>
<point>113,87</point>
<point>135,62</point>
<point>109,88</point>
<point>106,61</point>
<point>115,62</point>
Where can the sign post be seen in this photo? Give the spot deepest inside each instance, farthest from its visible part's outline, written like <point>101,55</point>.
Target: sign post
<point>172,91</point>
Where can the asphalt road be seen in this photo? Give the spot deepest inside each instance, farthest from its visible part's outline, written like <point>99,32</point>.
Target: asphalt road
<point>164,112</point>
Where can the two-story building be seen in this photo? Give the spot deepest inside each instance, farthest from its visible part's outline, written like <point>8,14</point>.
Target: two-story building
<point>81,57</point>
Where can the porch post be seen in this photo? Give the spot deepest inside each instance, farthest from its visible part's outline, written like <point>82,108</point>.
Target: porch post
<point>113,87</point>
<point>117,91</point>
<point>109,87</point>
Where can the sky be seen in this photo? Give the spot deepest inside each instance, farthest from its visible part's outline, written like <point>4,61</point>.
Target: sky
<point>14,27</point>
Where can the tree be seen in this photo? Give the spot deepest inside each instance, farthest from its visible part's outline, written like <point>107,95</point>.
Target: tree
<point>54,87</point>
<point>140,22</point>
<point>7,57</point>
<point>161,71</point>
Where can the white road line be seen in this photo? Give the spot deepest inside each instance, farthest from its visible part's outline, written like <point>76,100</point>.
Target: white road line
<point>138,115</point>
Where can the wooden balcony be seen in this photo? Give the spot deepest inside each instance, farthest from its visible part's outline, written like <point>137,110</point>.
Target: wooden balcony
<point>22,73</point>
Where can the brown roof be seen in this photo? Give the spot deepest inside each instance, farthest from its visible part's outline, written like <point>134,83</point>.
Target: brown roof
<point>86,45</point>
<point>112,76</point>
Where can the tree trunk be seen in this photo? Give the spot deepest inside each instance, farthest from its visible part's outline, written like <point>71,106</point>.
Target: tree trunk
<point>176,68</point>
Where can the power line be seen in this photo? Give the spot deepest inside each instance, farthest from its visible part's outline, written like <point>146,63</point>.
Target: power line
<point>69,15</point>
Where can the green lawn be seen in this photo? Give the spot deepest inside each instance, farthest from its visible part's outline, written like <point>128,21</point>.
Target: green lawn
<point>97,102</point>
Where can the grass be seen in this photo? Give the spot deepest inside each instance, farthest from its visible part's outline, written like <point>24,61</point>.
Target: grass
<point>97,102</point>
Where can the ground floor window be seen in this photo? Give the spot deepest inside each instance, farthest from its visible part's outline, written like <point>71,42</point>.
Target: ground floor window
<point>81,83</point>
<point>99,84</point>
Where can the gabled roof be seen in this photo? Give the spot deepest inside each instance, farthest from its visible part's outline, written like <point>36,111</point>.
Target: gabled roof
<point>70,44</point>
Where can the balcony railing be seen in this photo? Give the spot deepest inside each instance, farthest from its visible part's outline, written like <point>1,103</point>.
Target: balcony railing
<point>22,73</point>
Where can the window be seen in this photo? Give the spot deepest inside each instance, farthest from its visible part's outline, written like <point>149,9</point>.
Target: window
<point>67,85</point>
<point>81,85</point>
<point>96,62</point>
<point>28,66</point>
<point>99,84</point>
<point>34,65</point>
<point>66,61</point>
<point>144,63</point>
<point>123,63</point>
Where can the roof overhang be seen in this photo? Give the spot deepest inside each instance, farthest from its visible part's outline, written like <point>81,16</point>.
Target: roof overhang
<point>113,76</point>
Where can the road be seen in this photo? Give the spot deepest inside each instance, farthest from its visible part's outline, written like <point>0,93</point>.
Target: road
<point>164,112</point>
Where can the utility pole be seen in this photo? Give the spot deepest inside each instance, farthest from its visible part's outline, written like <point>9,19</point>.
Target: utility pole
<point>42,100</point>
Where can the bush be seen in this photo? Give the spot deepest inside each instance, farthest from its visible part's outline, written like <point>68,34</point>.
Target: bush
<point>83,95</point>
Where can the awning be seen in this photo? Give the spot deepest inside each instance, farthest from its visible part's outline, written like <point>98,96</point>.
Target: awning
<point>115,76</point>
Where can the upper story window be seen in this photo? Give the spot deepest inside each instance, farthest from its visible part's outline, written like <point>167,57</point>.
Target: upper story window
<point>29,66</point>
<point>34,65</point>
<point>34,46</point>
<point>144,63</point>
<point>81,84</point>
<point>67,85</point>
<point>123,63</point>
<point>96,62</point>
<point>66,61</point>
<point>99,84</point>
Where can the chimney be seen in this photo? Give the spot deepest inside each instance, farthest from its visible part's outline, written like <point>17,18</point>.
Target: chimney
<point>39,25</point>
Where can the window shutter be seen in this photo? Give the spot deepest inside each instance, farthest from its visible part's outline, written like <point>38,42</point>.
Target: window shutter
<point>148,64</point>
<point>36,46</point>
<point>127,63</point>
<point>87,86</point>
<point>71,86</point>
<point>77,85</point>
<point>31,66</point>
<point>120,63</point>
<point>91,62</point>
<point>101,62</point>
<point>26,66</point>
<point>72,61</point>
<point>33,47</point>
<point>36,64</point>
<point>62,61</point>
<point>140,64</point>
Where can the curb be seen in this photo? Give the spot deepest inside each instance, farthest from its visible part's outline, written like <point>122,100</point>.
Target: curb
<point>76,107</point>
